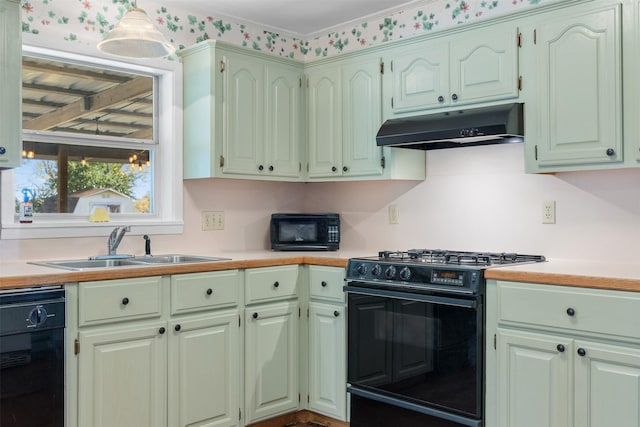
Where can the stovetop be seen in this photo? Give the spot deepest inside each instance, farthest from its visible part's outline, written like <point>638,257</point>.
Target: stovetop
<point>448,257</point>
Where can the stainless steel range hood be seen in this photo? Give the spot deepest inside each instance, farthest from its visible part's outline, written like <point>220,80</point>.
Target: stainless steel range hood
<point>475,126</point>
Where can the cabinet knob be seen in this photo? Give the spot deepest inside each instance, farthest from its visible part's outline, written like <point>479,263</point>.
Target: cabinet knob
<point>254,315</point>
<point>441,98</point>
<point>271,168</point>
<point>177,328</point>
<point>336,313</point>
<point>162,330</point>
<point>209,291</point>
<point>560,348</point>
<point>323,284</point>
<point>454,97</point>
<point>571,311</point>
<point>125,301</point>
<point>611,152</point>
<point>581,352</point>
<point>260,168</point>
<point>276,284</point>
<point>333,169</point>
<point>344,169</point>
<point>3,150</point>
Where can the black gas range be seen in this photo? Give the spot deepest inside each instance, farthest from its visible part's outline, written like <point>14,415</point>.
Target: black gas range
<point>415,336</point>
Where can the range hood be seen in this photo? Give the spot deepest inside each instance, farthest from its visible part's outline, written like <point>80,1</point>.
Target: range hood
<point>474,126</point>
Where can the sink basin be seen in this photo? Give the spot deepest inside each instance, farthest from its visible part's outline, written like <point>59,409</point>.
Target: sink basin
<point>92,264</point>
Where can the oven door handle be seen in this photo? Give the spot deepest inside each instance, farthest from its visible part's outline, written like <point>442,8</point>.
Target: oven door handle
<point>455,302</point>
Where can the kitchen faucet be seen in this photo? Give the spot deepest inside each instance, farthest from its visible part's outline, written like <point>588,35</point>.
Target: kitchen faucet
<point>115,238</point>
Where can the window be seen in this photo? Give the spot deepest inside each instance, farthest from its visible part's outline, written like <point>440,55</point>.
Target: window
<point>98,136</point>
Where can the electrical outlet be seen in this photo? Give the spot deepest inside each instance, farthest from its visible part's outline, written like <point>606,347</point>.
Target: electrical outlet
<point>549,212</point>
<point>393,214</point>
<point>212,220</point>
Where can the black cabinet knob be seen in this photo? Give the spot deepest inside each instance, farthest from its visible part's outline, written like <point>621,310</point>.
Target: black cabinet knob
<point>323,284</point>
<point>254,315</point>
<point>560,348</point>
<point>611,152</point>
<point>571,311</point>
<point>209,291</point>
<point>581,352</point>
<point>336,313</point>
<point>125,301</point>
<point>177,328</point>
<point>333,169</point>
<point>454,97</point>
<point>441,98</point>
<point>260,168</point>
<point>3,150</point>
<point>270,168</point>
<point>276,284</point>
<point>344,169</point>
<point>162,331</point>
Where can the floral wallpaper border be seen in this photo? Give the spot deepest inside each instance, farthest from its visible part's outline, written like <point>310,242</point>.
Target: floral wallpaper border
<point>87,21</point>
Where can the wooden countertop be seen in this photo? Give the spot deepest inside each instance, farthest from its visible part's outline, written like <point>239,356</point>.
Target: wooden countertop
<point>18,274</point>
<point>588,274</point>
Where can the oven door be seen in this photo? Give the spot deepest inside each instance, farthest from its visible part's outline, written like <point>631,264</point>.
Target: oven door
<point>424,350</point>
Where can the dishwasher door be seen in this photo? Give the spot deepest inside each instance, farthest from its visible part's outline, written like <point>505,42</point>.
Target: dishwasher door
<point>32,325</point>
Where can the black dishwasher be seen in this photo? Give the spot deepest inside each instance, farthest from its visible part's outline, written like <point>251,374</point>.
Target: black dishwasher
<point>32,323</point>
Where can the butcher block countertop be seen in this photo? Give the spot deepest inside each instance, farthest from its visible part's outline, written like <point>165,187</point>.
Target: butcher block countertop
<point>588,274</point>
<point>18,274</point>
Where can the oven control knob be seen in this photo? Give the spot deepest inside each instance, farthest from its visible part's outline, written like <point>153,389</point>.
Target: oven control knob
<point>390,272</point>
<point>38,316</point>
<point>376,270</point>
<point>362,269</point>
<point>405,273</point>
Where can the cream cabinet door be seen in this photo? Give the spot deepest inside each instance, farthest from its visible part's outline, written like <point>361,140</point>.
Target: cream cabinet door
<point>327,360</point>
<point>362,117</point>
<point>10,84</point>
<point>243,114</point>
<point>204,370</point>
<point>534,379</point>
<point>575,116</point>
<point>123,377</point>
<point>324,122</point>
<point>283,112</point>
<point>607,389</point>
<point>271,360</point>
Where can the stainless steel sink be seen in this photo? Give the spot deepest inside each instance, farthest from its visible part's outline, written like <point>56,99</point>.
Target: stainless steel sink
<point>146,261</point>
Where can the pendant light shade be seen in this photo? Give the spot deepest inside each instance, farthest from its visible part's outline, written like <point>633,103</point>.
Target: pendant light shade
<point>135,36</point>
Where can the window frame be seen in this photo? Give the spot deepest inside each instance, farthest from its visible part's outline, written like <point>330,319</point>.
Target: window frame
<point>167,159</point>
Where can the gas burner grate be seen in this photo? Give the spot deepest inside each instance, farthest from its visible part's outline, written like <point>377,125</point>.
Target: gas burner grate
<point>439,256</point>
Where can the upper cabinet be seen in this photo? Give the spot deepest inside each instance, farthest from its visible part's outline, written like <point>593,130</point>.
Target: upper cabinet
<point>478,65</point>
<point>572,66</point>
<point>10,84</point>
<point>242,114</point>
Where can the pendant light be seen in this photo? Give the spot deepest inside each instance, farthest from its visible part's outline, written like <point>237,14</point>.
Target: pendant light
<point>135,36</point>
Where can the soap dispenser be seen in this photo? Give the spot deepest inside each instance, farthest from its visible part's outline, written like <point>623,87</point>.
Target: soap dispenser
<point>26,206</point>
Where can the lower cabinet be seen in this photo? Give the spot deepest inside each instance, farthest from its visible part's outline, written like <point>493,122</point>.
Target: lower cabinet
<point>565,357</point>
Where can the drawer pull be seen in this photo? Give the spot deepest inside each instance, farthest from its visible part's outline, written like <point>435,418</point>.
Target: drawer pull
<point>336,313</point>
<point>276,284</point>
<point>209,291</point>
<point>560,348</point>
<point>162,330</point>
<point>254,315</point>
<point>581,352</point>
<point>125,301</point>
<point>323,284</point>
<point>571,311</point>
<point>177,328</point>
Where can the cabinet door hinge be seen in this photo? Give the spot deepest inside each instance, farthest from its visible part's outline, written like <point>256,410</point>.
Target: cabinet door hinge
<point>392,102</point>
<point>519,39</point>
<point>300,81</point>
<point>239,320</point>
<point>383,162</point>
<point>391,64</point>
<point>221,161</point>
<point>382,68</point>
<point>239,414</point>
<point>307,83</point>
<point>536,151</point>
<point>76,346</point>
<point>299,166</point>
<point>307,313</point>
<point>307,167</point>
<point>535,36</point>
<point>520,83</point>
<point>307,398</point>
<point>495,339</point>
<point>299,312</point>
<point>221,66</point>
<point>298,397</point>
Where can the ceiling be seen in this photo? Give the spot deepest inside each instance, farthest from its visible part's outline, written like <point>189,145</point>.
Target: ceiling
<point>300,18</point>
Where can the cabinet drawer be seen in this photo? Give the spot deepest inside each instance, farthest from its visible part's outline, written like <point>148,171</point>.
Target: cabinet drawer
<point>586,310</point>
<point>271,283</point>
<point>119,300</point>
<point>326,283</point>
<point>202,291</point>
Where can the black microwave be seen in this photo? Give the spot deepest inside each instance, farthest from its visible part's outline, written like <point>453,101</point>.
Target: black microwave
<point>305,232</point>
